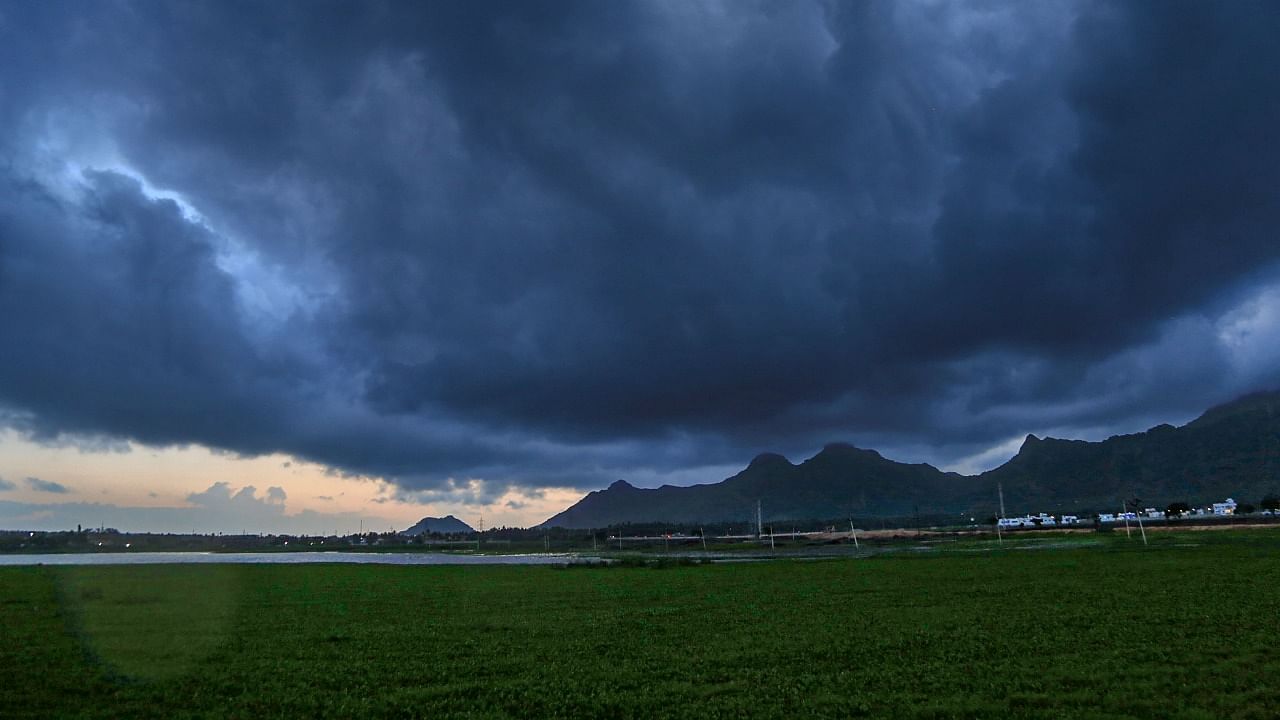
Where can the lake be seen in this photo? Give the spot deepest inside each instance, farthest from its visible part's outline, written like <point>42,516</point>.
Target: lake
<point>152,558</point>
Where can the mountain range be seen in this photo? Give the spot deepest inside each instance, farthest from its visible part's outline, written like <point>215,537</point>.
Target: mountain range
<point>1232,450</point>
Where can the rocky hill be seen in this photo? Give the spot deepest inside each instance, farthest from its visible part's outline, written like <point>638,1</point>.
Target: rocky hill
<point>446,525</point>
<point>841,480</point>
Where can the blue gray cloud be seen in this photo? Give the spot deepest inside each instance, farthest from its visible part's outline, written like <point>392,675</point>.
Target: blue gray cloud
<point>219,509</point>
<point>46,486</point>
<point>531,245</point>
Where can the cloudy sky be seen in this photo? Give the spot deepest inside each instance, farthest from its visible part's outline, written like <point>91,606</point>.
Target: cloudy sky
<point>297,265</point>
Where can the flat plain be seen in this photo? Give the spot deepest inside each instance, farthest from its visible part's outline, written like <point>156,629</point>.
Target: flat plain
<point>1184,628</point>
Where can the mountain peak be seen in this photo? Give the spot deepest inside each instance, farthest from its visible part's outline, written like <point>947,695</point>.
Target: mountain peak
<point>844,451</point>
<point>1264,403</point>
<point>621,485</point>
<point>768,459</point>
<point>1030,441</point>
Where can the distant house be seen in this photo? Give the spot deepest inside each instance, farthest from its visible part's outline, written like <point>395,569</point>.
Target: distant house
<point>1225,508</point>
<point>1039,520</point>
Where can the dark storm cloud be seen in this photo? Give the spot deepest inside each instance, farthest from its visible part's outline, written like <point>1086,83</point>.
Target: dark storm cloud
<point>1159,198</point>
<point>469,246</point>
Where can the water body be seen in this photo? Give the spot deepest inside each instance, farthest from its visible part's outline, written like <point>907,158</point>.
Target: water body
<point>288,558</point>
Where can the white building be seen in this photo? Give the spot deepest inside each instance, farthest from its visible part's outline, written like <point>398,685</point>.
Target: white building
<point>1225,508</point>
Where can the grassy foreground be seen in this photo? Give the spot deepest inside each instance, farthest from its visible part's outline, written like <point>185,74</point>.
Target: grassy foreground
<point>1185,629</point>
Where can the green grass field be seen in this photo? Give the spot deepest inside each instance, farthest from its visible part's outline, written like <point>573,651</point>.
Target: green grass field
<point>1187,628</point>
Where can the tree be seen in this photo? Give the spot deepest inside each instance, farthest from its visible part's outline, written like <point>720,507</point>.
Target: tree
<point>1244,509</point>
<point>1270,502</point>
<point>1178,508</point>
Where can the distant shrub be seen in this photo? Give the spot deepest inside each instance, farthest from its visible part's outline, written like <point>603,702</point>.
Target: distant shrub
<point>639,561</point>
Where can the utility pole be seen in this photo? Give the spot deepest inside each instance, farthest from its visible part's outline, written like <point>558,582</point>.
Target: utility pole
<point>854,533</point>
<point>1137,504</point>
<point>703,532</point>
<point>1124,512</point>
<point>759,520</point>
<point>999,530</point>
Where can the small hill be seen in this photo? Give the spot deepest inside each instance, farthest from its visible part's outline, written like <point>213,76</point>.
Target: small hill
<point>445,526</point>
